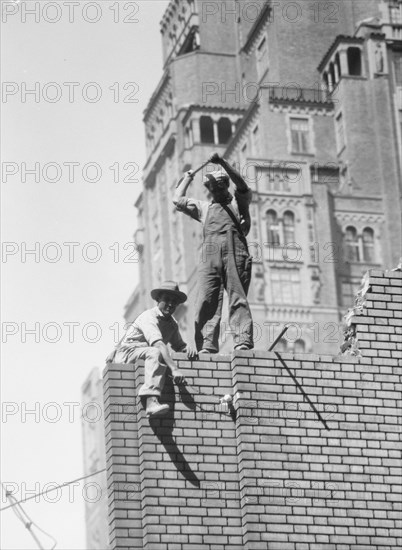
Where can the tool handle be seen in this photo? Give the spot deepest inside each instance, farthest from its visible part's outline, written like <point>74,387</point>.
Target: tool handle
<point>200,167</point>
<point>193,173</point>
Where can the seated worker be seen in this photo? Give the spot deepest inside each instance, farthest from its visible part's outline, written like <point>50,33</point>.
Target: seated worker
<point>225,261</point>
<point>147,338</point>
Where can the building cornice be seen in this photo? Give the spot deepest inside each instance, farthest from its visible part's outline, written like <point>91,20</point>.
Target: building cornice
<point>252,110</point>
<point>167,13</point>
<point>166,151</point>
<point>256,28</point>
<point>164,81</point>
<point>189,109</point>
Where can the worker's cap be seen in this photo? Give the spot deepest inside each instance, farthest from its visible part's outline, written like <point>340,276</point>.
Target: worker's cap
<point>217,178</point>
<point>169,287</point>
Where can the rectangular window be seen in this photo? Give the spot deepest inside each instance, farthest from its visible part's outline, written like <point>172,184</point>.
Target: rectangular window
<point>347,294</point>
<point>300,135</point>
<point>285,286</point>
<point>398,71</point>
<point>340,132</point>
<point>395,12</point>
<point>349,291</point>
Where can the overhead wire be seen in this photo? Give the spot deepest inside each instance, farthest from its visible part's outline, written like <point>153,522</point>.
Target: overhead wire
<point>28,521</point>
<point>52,489</point>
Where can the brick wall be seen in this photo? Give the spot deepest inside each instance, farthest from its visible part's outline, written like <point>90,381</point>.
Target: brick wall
<point>266,472</point>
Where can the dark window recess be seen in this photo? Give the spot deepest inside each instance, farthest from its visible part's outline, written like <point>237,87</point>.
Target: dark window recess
<point>206,129</point>
<point>355,61</point>
<point>398,71</point>
<point>368,245</point>
<point>332,73</point>
<point>224,130</point>
<point>351,245</point>
<point>289,227</point>
<point>338,64</point>
<point>272,228</point>
<point>191,43</point>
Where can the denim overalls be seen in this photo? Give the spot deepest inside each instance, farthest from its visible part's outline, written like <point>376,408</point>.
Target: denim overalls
<point>224,264</point>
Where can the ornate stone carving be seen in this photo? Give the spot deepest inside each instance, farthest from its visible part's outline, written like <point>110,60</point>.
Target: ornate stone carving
<point>259,284</point>
<point>358,218</point>
<point>316,285</point>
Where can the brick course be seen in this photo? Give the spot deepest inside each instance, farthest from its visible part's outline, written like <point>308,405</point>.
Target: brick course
<point>265,473</point>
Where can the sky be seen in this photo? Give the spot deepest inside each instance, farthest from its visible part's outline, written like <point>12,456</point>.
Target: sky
<point>67,221</point>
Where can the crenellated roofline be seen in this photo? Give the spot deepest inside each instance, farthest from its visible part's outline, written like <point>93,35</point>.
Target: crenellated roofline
<point>156,94</point>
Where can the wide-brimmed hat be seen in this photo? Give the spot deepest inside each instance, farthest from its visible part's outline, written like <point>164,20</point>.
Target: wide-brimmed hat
<point>170,287</point>
<point>217,177</point>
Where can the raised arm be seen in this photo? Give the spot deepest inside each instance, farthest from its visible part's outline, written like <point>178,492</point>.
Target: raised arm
<point>233,174</point>
<point>182,186</point>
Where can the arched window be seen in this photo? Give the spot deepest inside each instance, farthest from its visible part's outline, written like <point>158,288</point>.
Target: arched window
<point>351,245</point>
<point>224,130</point>
<point>272,228</point>
<point>355,61</point>
<point>299,346</point>
<point>289,227</point>
<point>206,129</point>
<point>368,245</point>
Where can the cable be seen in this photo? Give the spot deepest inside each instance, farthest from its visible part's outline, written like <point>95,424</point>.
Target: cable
<point>52,489</point>
<point>27,520</point>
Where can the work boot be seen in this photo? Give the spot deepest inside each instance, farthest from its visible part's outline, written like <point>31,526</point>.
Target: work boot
<point>154,408</point>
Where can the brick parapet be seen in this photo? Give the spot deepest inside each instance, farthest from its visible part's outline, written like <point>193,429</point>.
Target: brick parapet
<point>262,472</point>
<point>373,327</point>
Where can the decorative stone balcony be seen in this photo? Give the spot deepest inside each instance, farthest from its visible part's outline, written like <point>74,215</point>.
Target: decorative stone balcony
<point>311,96</point>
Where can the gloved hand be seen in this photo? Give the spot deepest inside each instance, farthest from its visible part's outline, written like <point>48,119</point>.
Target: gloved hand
<point>215,158</point>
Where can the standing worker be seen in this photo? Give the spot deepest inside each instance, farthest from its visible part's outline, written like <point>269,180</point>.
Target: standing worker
<point>225,261</point>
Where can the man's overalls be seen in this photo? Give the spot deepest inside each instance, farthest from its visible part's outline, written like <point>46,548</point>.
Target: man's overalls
<point>224,263</point>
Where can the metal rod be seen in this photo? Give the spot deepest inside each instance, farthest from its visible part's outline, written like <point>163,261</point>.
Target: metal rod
<point>300,387</point>
<point>193,173</point>
<point>200,167</point>
<point>285,328</point>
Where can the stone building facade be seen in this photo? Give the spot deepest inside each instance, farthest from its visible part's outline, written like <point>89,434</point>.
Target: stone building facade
<point>306,99</point>
<point>94,455</point>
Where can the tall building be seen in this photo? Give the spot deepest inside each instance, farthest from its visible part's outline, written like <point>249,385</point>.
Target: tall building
<point>306,99</point>
<point>94,453</point>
